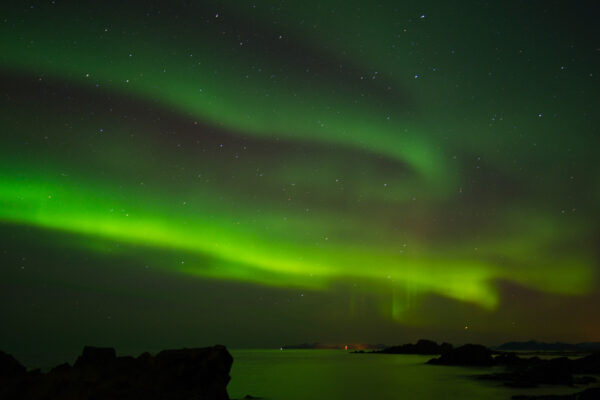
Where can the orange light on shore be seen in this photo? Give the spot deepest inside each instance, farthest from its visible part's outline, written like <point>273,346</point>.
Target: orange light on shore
<point>346,347</point>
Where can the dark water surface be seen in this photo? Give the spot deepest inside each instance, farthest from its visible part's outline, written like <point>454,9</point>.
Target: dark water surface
<point>336,374</point>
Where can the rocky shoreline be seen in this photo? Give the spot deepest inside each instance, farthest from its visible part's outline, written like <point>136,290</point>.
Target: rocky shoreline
<point>98,374</point>
<point>519,372</point>
<point>524,372</point>
<point>203,373</point>
<point>529,372</point>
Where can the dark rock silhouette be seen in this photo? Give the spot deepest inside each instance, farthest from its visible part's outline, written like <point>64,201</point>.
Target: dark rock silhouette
<point>525,372</point>
<point>96,357</point>
<point>510,359</point>
<point>533,345</point>
<point>587,365</point>
<point>423,346</point>
<point>9,367</point>
<point>98,374</point>
<point>467,355</point>
<point>553,371</point>
<point>533,371</point>
<point>587,394</point>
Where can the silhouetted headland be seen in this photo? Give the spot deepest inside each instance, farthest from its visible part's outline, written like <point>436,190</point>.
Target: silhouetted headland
<point>98,374</point>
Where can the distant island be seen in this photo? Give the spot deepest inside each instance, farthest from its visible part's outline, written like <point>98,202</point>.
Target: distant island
<point>321,346</point>
<point>423,346</point>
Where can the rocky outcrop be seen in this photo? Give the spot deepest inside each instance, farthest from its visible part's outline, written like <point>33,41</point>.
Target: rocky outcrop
<point>534,371</point>
<point>524,372</point>
<point>531,373</point>
<point>9,366</point>
<point>587,365</point>
<point>587,394</point>
<point>533,345</point>
<point>467,355</point>
<point>98,374</point>
<point>427,347</point>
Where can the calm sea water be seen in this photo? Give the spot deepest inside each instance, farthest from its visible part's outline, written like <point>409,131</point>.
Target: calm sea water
<point>337,374</point>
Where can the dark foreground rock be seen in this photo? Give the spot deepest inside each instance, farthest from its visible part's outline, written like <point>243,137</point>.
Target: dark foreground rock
<point>587,365</point>
<point>556,371</point>
<point>9,366</point>
<point>534,345</point>
<point>468,355</point>
<point>427,347</point>
<point>98,374</point>
<point>531,372</point>
<point>587,394</point>
<point>524,372</point>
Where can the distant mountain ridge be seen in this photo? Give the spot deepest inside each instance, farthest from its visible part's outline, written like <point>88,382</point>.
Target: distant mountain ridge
<point>556,346</point>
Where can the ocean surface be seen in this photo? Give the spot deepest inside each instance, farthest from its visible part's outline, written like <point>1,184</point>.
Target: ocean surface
<point>337,374</point>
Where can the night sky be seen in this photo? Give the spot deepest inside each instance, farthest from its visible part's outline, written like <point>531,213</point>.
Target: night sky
<point>184,173</point>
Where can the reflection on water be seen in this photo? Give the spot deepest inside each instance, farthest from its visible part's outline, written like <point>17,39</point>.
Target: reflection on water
<point>337,374</point>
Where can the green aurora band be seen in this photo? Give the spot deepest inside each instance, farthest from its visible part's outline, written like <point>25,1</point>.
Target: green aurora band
<point>379,177</point>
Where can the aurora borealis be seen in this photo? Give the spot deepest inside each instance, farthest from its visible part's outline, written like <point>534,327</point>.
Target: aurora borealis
<point>317,171</point>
